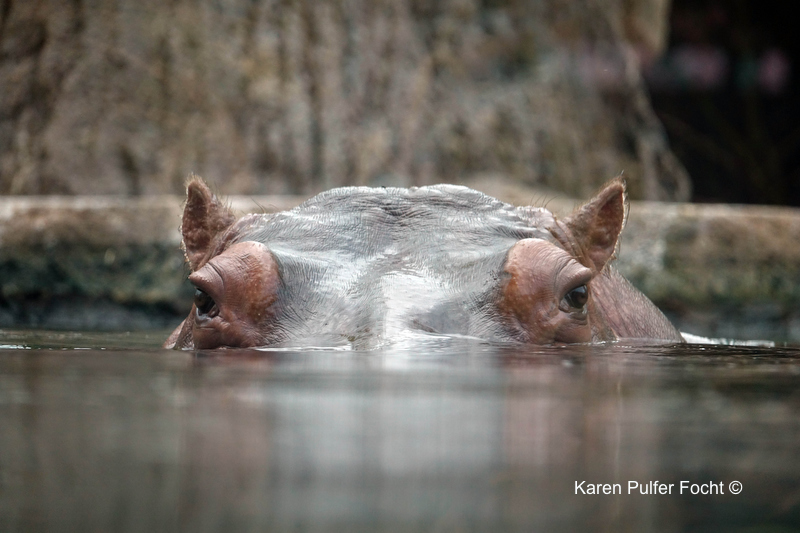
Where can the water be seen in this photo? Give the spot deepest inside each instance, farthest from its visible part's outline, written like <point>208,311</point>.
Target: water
<point>107,432</point>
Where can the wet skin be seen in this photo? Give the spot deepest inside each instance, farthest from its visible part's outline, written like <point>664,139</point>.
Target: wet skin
<point>365,267</point>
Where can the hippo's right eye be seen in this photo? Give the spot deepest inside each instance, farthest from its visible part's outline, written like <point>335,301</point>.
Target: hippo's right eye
<point>205,304</point>
<point>577,297</point>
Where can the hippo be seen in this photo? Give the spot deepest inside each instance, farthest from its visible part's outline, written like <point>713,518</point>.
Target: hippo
<point>360,268</point>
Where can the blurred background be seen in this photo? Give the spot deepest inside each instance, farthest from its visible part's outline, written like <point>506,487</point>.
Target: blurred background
<point>726,90</point>
<point>296,96</point>
<point>692,99</point>
<point>527,100</point>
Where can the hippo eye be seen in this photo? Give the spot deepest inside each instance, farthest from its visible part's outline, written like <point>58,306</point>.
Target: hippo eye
<point>577,297</point>
<point>204,303</point>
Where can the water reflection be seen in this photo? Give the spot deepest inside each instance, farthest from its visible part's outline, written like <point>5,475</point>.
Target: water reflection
<point>463,436</point>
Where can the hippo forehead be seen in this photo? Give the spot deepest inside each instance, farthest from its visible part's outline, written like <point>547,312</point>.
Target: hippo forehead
<point>426,224</point>
<point>370,259</point>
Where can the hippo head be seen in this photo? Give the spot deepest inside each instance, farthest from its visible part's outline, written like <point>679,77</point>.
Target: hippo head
<point>363,267</point>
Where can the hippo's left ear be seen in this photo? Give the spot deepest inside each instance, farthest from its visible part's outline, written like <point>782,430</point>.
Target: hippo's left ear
<point>593,229</point>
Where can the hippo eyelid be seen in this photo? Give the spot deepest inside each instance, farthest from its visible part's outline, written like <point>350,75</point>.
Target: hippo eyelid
<point>571,276</point>
<point>576,279</point>
<point>208,279</point>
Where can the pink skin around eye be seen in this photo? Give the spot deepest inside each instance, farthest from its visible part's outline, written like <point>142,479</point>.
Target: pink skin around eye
<point>243,282</point>
<point>541,274</point>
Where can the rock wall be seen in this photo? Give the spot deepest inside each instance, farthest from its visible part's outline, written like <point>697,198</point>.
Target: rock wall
<point>295,96</point>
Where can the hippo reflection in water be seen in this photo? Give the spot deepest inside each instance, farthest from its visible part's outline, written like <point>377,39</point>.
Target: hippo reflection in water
<point>366,267</point>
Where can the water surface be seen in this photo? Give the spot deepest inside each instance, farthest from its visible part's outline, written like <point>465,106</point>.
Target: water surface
<point>108,432</point>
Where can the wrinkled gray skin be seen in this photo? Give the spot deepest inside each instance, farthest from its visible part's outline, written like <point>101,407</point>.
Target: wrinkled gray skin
<point>367,265</point>
<point>363,267</point>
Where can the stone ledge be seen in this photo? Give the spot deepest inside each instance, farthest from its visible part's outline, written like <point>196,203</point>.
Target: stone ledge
<point>88,261</point>
<point>716,269</point>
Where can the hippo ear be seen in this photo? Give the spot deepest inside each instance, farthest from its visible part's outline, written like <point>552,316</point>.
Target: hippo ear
<point>594,228</point>
<point>204,217</point>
